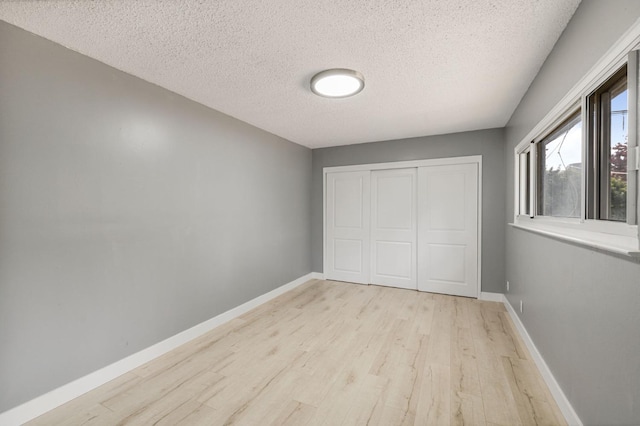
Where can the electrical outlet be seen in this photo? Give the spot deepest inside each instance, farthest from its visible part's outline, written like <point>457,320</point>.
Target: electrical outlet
<point>521,306</point>
<point>507,285</point>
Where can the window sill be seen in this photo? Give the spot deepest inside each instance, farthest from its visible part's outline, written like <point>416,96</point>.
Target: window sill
<point>619,244</point>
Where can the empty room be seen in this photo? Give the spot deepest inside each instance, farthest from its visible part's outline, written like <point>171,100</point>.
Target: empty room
<point>334,212</point>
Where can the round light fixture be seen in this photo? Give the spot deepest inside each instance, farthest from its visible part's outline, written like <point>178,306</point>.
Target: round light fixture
<point>337,83</point>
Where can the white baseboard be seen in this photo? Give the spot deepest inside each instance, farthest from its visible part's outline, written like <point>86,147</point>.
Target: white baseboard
<point>561,399</point>
<point>491,297</point>
<point>563,403</point>
<point>317,276</point>
<point>40,405</point>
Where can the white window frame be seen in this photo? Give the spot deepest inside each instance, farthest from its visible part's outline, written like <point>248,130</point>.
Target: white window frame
<point>615,237</point>
<point>523,192</point>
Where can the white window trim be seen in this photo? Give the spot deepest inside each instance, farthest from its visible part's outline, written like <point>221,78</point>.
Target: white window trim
<point>586,233</point>
<point>619,238</point>
<point>523,177</point>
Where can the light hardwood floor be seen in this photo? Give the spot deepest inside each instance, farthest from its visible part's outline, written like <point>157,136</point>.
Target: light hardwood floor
<point>330,353</point>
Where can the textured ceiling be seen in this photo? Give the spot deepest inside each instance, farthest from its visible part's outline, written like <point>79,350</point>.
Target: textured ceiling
<point>431,66</point>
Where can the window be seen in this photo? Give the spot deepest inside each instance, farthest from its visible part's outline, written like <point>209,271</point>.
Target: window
<point>559,170</point>
<point>577,171</point>
<point>608,144</point>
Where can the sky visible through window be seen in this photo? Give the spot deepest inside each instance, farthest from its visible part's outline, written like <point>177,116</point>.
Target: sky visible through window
<point>565,149</point>
<point>561,154</point>
<point>619,119</point>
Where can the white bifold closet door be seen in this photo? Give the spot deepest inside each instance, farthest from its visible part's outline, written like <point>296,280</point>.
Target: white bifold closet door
<point>393,228</point>
<point>448,229</point>
<point>414,227</point>
<point>348,228</point>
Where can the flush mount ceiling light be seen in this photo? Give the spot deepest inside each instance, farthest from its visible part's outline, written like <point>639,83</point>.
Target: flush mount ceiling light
<point>337,83</point>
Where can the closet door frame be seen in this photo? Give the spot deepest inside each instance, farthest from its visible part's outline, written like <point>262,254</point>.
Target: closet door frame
<point>473,159</point>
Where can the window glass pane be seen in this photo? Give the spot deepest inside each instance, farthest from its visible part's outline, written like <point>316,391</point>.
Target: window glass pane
<point>561,170</point>
<point>618,155</point>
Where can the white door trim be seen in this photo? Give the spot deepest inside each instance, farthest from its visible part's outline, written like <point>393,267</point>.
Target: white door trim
<point>405,164</point>
<point>477,159</point>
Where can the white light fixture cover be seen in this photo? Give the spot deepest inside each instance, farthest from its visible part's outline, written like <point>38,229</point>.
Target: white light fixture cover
<point>337,83</point>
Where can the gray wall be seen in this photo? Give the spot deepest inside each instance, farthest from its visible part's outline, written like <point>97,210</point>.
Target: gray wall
<point>580,306</point>
<point>488,143</point>
<point>127,214</point>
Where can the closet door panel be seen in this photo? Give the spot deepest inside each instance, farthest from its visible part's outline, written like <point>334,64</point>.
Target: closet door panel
<point>348,226</point>
<point>393,228</point>
<point>448,229</point>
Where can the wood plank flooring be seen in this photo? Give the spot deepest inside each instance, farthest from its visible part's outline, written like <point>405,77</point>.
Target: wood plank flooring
<point>330,353</point>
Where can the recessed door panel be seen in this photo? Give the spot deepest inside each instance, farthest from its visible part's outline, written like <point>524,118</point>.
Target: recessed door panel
<point>448,229</point>
<point>347,256</point>
<point>348,204</point>
<point>393,230</point>
<point>446,207</point>
<point>446,263</point>
<point>395,201</point>
<point>394,259</point>
<point>348,212</point>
